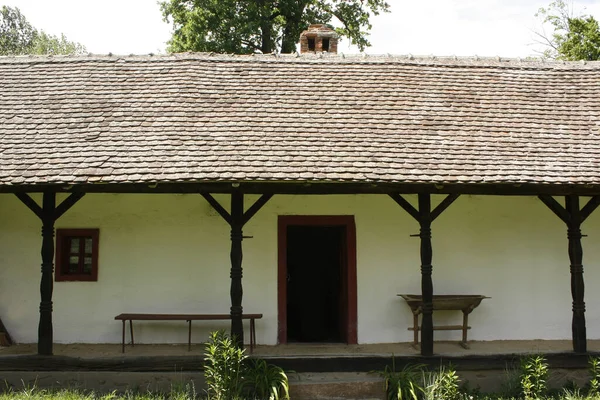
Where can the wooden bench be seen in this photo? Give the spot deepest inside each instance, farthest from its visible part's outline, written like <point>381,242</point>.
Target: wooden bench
<point>184,317</point>
<point>465,303</point>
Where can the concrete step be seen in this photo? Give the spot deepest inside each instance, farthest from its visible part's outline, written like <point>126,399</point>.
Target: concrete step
<point>336,386</point>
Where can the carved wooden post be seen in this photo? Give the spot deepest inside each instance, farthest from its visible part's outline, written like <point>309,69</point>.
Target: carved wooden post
<point>573,216</point>
<point>425,216</point>
<point>236,292</point>
<point>426,270</point>
<point>236,220</point>
<point>48,213</point>
<point>45,338</point>
<point>577,284</point>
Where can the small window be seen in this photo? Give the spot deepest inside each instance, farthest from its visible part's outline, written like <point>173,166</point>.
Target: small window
<point>325,44</point>
<point>311,44</point>
<point>76,255</point>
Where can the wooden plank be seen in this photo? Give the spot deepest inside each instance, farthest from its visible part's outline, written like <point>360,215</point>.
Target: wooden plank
<point>217,207</point>
<point>555,207</point>
<point>443,328</point>
<point>258,204</point>
<point>589,208</point>
<point>67,204</point>
<point>443,205</point>
<point>402,202</point>
<point>182,317</point>
<point>305,187</point>
<point>30,203</point>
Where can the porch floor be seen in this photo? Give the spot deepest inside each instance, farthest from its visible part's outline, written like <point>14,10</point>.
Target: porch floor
<point>441,348</point>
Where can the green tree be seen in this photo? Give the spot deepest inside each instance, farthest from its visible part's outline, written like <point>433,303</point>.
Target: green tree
<point>18,36</point>
<point>243,26</point>
<point>573,38</point>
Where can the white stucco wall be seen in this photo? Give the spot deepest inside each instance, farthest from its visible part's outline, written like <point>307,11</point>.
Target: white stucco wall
<point>170,253</point>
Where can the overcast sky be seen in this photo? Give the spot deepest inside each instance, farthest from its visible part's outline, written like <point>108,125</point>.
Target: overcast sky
<point>419,27</point>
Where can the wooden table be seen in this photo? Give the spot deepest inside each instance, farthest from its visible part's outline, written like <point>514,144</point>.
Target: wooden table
<point>465,303</point>
<point>184,317</point>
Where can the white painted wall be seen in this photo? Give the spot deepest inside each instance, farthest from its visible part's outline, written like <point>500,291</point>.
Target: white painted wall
<point>170,253</point>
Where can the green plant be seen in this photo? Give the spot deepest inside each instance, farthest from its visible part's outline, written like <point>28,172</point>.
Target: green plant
<point>594,363</point>
<point>403,384</point>
<point>266,381</point>
<point>442,384</point>
<point>223,370</point>
<point>534,373</point>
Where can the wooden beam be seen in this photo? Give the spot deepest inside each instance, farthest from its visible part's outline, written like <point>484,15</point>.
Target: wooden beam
<point>67,204</point>
<point>31,204</point>
<point>45,334</point>
<point>258,204</point>
<point>317,188</point>
<point>577,284</point>
<point>217,207</point>
<point>443,205</point>
<point>589,208</point>
<point>402,202</point>
<point>236,290</point>
<point>555,207</point>
<point>426,275</point>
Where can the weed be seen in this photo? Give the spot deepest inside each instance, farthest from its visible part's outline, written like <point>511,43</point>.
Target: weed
<point>266,381</point>
<point>534,373</point>
<point>223,368</point>
<point>442,384</point>
<point>594,368</point>
<point>403,384</point>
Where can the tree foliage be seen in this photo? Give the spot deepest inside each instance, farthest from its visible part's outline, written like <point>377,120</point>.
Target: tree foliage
<point>574,37</point>
<point>18,36</point>
<point>242,26</point>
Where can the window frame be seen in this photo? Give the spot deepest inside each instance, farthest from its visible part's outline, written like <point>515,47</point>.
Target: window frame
<point>61,257</point>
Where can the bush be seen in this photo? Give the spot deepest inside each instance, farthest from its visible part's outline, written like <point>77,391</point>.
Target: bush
<point>442,384</point>
<point>534,373</point>
<point>231,375</point>
<point>223,368</point>
<point>404,384</point>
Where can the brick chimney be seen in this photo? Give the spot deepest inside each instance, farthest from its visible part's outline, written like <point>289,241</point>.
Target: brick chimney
<point>318,38</point>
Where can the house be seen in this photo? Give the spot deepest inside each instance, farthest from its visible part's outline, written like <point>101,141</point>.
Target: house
<point>339,180</point>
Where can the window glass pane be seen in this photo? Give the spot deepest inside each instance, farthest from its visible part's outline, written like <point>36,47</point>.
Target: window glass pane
<point>87,265</point>
<point>88,245</point>
<point>73,264</point>
<point>74,248</point>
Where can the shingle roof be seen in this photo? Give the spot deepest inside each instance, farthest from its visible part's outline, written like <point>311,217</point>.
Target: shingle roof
<point>200,117</point>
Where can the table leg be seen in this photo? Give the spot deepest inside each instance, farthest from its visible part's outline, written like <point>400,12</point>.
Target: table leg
<point>416,327</point>
<point>131,332</point>
<point>465,329</point>
<point>190,335</point>
<point>252,335</point>
<point>123,338</point>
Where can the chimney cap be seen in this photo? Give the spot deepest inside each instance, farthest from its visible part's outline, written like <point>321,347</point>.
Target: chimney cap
<point>320,30</point>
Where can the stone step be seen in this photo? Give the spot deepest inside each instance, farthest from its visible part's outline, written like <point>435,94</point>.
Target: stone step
<point>336,386</point>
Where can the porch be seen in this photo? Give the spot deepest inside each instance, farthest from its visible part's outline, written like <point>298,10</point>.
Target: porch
<point>324,357</point>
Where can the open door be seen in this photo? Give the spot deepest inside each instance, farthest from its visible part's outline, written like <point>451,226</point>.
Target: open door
<point>317,279</point>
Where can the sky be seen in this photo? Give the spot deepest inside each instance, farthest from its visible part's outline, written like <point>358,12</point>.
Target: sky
<point>486,28</point>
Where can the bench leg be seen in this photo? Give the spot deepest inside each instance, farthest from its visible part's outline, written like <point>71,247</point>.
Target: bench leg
<point>123,338</point>
<point>131,332</point>
<point>189,335</point>
<point>465,329</point>
<point>252,335</point>
<point>416,331</point>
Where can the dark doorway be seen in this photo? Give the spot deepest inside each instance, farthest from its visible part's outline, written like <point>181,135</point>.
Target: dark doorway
<point>316,295</point>
<point>322,278</point>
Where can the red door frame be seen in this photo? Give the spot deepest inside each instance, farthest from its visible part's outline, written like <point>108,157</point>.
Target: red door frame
<point>316,220</point>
